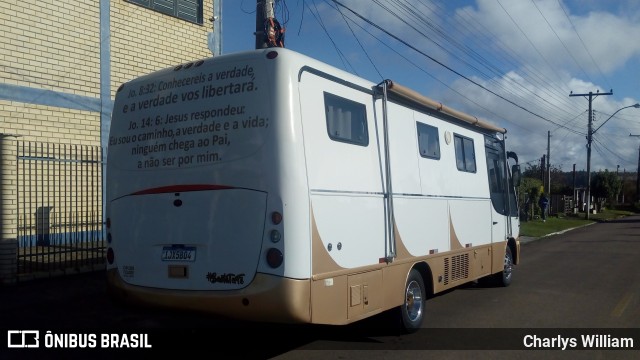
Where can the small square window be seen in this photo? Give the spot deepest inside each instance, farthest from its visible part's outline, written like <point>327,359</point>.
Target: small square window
<point>428,141</point>
<point>346,120</point>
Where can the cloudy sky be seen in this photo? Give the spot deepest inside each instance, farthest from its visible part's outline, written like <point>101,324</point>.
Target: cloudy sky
<point>511,62</point>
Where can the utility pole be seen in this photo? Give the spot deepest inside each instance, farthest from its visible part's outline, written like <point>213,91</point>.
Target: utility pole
<point>268,33</point>
<point>624,177</point>
<point>549,168</point>
<point>590,131</point>
<point>637,173</point>
<point>575,195</point>
<point>261,8</point>
<point>618,177</point>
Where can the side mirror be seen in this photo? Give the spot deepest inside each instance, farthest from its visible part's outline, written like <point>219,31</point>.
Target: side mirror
<point>516,175</point>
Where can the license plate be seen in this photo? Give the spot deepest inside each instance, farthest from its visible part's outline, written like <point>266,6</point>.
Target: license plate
<point>178,253</point>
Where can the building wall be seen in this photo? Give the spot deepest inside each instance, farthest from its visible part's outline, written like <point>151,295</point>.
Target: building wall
<point>50,123</point>
<point>160,41</point>
<point>49,45</point>
<point>53,60</point>
<point>61,62</point>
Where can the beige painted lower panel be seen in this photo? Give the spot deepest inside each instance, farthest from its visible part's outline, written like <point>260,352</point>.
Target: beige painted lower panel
<point>497,261</point>
<point>339,297</point>
<point>482,261</point>
<point>346,298</point>
<point>329,300</point>
<point>336,298</point>
<point>395,279</point>
<point>365,293</point>
<point>267,298</point>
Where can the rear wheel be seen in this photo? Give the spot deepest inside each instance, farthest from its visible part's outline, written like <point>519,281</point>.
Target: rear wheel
<point>504,278</point>
<point>412,310</point>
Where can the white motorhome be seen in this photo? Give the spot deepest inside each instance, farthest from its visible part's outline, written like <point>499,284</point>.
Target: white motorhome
<point>269,186</point>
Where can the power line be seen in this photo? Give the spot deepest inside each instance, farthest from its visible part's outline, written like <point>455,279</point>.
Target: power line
<point>362,47</point>
<point>561,42</point>
<point>342,57</point>
<point>422,69</point>
<point>584,45</point>
<point>484,35</point>
<point>448,67</point>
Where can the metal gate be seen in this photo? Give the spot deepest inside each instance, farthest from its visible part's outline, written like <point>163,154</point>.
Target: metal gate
<point>60,226</point>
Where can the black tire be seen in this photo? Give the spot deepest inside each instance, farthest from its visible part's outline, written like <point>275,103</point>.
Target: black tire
<point>412,309</point>
<point>505,277</point>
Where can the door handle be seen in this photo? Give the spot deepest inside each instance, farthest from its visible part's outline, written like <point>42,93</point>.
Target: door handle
<point>495,222</point>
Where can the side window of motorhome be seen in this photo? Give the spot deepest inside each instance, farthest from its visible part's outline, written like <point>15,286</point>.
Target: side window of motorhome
<point>428,141</point>
<point>465,154</point>
<point>346,120</point>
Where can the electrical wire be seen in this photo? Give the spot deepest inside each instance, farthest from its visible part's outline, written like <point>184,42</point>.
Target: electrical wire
<point>478,34</point>
<point>448,67</point>
<point>342,57</point>
<point>561,42</point>
<point>584,45</point>
<point>361,47</point>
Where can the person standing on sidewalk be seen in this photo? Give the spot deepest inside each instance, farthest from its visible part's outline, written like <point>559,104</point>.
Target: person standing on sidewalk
<point>543,203</point>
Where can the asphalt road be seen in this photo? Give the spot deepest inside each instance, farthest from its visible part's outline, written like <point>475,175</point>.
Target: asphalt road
<point>577,283</point>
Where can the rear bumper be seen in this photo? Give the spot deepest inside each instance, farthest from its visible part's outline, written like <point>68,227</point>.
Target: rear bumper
<point>268,298</point>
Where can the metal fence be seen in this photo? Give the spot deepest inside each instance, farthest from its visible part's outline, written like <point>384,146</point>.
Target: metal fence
<point>60,227</point>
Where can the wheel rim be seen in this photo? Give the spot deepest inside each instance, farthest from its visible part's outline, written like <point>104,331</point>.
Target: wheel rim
<point>413,301</point>
<point>508,266</point>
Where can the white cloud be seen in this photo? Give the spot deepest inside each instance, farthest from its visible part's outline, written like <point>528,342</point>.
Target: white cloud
<point>611,42</point>
<point>536,71</point>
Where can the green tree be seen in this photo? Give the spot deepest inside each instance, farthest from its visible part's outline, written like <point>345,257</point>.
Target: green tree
<point>529,192</point>
<point>561,182</point>
<point>532,171</point>
<point>605,185</point>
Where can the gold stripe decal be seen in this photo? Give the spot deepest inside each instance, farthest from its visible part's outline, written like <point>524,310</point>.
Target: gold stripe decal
<point>401,249</point>
<point>322,262</point>
<point>454,242</point>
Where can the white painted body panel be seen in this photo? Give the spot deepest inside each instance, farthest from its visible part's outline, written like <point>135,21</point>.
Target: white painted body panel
<point>285,163</point>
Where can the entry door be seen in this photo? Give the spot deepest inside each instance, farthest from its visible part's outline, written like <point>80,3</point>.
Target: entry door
<point>498,188</point>
<point>344,170</point>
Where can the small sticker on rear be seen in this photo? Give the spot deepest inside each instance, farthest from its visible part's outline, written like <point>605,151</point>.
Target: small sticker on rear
<point>226,278</point>
<point>128,271</point>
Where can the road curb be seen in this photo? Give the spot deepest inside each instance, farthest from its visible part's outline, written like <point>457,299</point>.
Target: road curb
<point>528,239</point>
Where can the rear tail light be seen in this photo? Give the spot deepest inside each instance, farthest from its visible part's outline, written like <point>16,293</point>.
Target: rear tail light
<point>110,256</point>
<point>275,236</point>
<point>274,257</point>
<point>276,218</point>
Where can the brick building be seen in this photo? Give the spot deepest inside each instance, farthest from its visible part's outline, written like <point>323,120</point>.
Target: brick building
<point>61,62</point>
